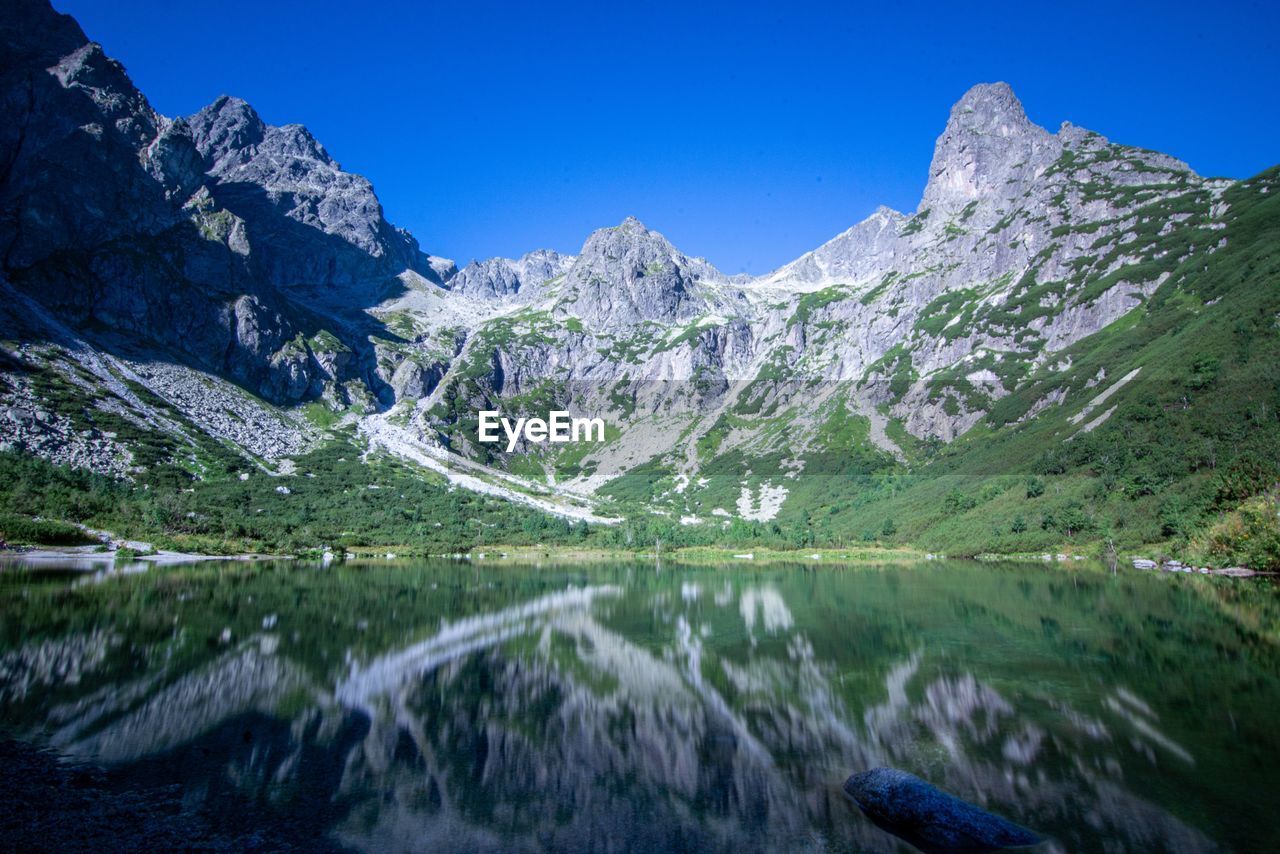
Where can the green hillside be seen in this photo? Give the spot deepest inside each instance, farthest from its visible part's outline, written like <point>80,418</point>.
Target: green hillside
<point>1194,433</point>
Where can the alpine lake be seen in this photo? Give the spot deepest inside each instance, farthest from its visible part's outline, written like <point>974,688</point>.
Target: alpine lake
<point>442,705</point>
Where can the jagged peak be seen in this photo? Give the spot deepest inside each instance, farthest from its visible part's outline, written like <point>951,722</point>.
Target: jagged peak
<point>536,254</point>
<point>631,237</point>
<point>630,226</point>
<point>886,213</point>
<point>989,108</point>
<point>231,124</point>
<point>632,250</point>
<point>987,134</point>
<point>297,141</point>
<point>34,34</point>
<point>231,105</point>
<point>506,276</point>
<point>227,125</point>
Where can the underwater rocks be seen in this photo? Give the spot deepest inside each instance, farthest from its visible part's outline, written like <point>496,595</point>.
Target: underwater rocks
<point>928,817</point>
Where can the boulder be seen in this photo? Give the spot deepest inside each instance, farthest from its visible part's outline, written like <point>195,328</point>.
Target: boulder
<point>929,818</point>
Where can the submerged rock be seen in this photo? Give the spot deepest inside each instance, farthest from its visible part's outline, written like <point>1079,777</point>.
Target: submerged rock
<point>928,817</point>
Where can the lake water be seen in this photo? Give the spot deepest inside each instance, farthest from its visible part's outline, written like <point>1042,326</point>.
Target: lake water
<point>440,706</point>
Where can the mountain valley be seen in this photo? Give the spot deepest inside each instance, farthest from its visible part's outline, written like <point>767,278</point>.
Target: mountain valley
<point>213,338</point>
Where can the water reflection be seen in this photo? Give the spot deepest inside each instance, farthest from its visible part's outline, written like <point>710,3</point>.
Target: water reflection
<point>701,710</point>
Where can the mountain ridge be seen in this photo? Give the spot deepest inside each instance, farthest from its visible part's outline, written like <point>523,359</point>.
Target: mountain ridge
<point>221,265</point>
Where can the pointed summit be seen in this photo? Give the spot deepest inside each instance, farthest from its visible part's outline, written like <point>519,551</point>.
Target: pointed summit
<point>987,138</point>
<point>629,248</point>
<point>226,128</point>
<point>309,221</point>
<point>629,273</point>
<point>992,109</point>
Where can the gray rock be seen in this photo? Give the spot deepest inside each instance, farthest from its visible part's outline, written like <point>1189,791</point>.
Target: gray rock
<point>311,222</point>
<point>413,379</point>
<point>500,277</point>
<point>117,217</point>
<point>627,274</point>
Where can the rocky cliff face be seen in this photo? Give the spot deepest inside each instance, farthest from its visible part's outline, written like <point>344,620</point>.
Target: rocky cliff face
<point>218,239</point>
<point>504,277</point>
<point>309,222</point>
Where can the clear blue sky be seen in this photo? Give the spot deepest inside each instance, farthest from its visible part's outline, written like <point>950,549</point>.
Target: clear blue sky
<point>746,132</point>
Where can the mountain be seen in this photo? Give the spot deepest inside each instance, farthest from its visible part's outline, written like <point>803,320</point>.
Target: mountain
<point>309,222</point>
<point>1057,306</point>
<point>500,277</point>
<point>215,240</point>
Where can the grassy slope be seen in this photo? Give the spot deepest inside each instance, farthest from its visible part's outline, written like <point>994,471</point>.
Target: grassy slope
<point>1193,434</point>
<point>191,496</point>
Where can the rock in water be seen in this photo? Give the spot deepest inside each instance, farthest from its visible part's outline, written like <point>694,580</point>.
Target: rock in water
<point>929,818</point>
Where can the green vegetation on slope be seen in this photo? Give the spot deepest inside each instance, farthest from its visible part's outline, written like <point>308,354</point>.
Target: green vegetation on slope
<point>1184,455</point>
<point>1195,432</point>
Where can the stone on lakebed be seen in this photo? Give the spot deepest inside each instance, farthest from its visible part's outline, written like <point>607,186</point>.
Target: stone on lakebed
<point>928,817</point>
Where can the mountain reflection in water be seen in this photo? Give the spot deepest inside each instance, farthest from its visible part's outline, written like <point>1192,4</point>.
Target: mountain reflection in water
<point>434,706</point>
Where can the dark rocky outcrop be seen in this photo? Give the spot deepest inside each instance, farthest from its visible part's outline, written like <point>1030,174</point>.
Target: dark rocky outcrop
<point>310,223</point>
<point>929,818</point>
<point>217,241</point>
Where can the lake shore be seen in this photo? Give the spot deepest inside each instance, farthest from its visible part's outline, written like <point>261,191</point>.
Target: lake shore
<point>115,552</point>
<point>93,557</point>
<point>687,555</point>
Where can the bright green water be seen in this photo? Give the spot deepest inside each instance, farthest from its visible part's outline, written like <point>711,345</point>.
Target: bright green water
<point>444,706</point>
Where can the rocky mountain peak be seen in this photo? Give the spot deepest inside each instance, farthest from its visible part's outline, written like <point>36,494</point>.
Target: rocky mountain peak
<point>632,224</point>
<point>884,213</point>
<point>89,71</point>
<point>296,141</point>
<point>310,222</point>
<point>628,273</point>
<point>631,250</point>
<point>987,140</point>
<point>990,109</point>
<point>227,126</point>
<point>630,235</point>
<point>501,277</point>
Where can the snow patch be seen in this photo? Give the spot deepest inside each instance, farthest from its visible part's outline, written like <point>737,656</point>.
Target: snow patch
<point>764,506</point>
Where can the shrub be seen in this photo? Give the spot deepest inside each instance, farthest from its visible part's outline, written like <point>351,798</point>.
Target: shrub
<point>1174,516</point>
<point>19,529</point>
<point>1249,536</point>
<point>1248,475</point>
<point>1070,519</point>
<point>1035,487</point>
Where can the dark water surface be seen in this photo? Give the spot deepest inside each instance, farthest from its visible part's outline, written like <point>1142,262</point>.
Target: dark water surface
<point>435,706</point>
